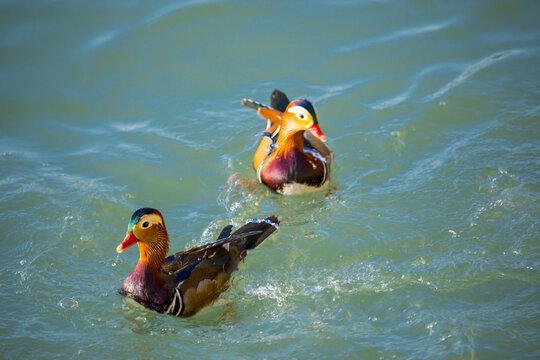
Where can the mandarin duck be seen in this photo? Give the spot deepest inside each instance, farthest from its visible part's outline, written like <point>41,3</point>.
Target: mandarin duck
<point>186,282</point>
<point>289,159</point>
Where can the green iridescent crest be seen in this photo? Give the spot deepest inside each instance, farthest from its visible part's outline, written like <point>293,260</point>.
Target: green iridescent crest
<point>137,216</point>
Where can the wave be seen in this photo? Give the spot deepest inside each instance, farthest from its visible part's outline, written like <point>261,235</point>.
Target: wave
<point>471,70</point>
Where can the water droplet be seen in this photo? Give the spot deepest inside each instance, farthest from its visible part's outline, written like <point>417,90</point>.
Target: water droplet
<point>68,302</point>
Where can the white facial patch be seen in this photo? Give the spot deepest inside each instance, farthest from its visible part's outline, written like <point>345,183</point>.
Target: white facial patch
<point>300,112</point>
<point>151,218</point>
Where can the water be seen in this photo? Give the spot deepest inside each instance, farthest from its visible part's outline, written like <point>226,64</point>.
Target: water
<point>426,247</point>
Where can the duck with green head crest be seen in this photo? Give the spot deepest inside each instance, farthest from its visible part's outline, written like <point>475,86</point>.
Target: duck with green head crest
<point>186,282</point>
<point>292,157</point>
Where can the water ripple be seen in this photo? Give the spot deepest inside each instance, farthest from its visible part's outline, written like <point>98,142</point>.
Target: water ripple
<point>396,100</point>
<point>169,9</point>
<point>399,35</point>
<point>473,69</point>
<point>101,40</point>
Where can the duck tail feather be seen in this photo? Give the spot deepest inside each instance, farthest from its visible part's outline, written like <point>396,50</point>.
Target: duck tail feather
<point>257,231</point>
<point>278,100</point>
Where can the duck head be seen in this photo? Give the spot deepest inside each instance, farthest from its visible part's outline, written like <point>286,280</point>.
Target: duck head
<point>301,115</point>
<point>147,229</point>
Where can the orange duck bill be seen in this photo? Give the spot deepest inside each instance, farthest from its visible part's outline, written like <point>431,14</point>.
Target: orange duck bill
<point>128,241</point>
<point>317,132</point>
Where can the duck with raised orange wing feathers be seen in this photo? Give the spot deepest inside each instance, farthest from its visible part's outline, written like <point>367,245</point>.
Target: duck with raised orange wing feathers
<point>292,157</point>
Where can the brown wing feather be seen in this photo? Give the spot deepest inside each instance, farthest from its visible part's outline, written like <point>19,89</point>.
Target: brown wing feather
<point>204,293</point>
<point>213,263</point>
<point>182,259</point>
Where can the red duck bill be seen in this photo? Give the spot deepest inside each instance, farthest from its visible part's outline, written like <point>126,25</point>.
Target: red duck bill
<point>129,240</point>
<point>317,132</point>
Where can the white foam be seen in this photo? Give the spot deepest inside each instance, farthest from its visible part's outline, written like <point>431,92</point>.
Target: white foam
<point>297,189</point>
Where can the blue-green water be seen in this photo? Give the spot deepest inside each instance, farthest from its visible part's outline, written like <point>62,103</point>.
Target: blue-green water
<point>428,247</point>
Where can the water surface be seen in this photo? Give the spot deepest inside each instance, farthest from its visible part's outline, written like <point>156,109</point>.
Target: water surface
<point>426,246</point>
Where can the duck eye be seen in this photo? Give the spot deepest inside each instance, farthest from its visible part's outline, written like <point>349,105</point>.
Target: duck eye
<point>145,224</point>
<point>301,116</point>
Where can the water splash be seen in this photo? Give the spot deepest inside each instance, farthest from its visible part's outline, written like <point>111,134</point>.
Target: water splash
<point>68,302</point>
